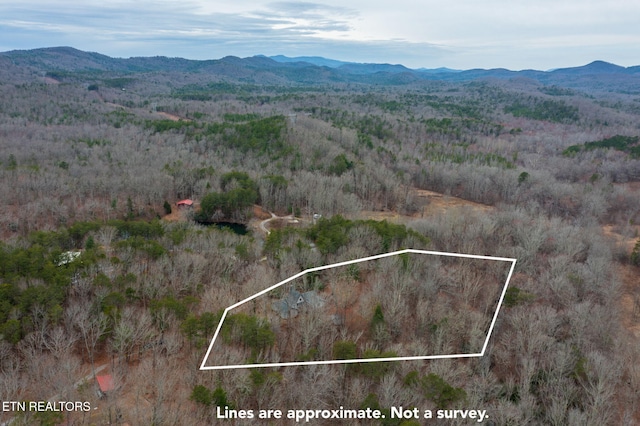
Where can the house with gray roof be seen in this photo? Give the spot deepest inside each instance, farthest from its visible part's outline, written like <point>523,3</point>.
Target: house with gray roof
<point>295,302</point>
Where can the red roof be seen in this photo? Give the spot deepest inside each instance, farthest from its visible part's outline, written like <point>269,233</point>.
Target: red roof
<point>185,203</point>
<point>105,383</point>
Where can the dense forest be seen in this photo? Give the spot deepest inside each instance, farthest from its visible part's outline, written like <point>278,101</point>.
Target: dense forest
<point>101,271</point>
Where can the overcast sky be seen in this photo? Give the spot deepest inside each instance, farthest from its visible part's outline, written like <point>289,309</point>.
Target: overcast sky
<point>463,34</point>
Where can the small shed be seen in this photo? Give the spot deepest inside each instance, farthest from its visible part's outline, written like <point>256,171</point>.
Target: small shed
<point>105,384</point>
<point>185,203</point>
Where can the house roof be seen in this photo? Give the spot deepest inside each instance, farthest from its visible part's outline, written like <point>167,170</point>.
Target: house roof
<point>186,202</point>
<point>288,306</point>
<point>294,298</point>
<point>105,382</point>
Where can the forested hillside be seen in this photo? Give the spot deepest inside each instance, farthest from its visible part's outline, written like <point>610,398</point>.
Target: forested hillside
<point>296,167</point>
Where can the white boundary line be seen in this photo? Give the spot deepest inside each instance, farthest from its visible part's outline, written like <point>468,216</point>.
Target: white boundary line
<point>351,361</point>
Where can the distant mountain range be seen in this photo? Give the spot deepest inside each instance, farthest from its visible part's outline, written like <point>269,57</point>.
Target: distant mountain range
<point>312,69</point>
<point>596,67</point>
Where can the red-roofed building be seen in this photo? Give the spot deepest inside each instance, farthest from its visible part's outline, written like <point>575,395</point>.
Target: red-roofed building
<point>105,384</point>
<point>185,203</point>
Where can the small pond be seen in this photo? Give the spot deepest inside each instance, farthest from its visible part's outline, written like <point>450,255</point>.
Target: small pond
<point>238,228</point>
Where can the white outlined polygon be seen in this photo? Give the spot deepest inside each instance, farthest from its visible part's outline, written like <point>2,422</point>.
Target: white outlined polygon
<point>352,361</point>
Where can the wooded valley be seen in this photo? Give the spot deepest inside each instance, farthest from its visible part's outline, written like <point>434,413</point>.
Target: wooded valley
<point>291,168</point>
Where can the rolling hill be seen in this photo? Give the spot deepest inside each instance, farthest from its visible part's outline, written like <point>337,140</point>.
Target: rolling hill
<point>597,75</point>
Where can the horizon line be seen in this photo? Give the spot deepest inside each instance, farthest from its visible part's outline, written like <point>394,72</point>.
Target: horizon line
<point>299,58</point>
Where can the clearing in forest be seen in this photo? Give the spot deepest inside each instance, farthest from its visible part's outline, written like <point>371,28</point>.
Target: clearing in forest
<point>404,305</point>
